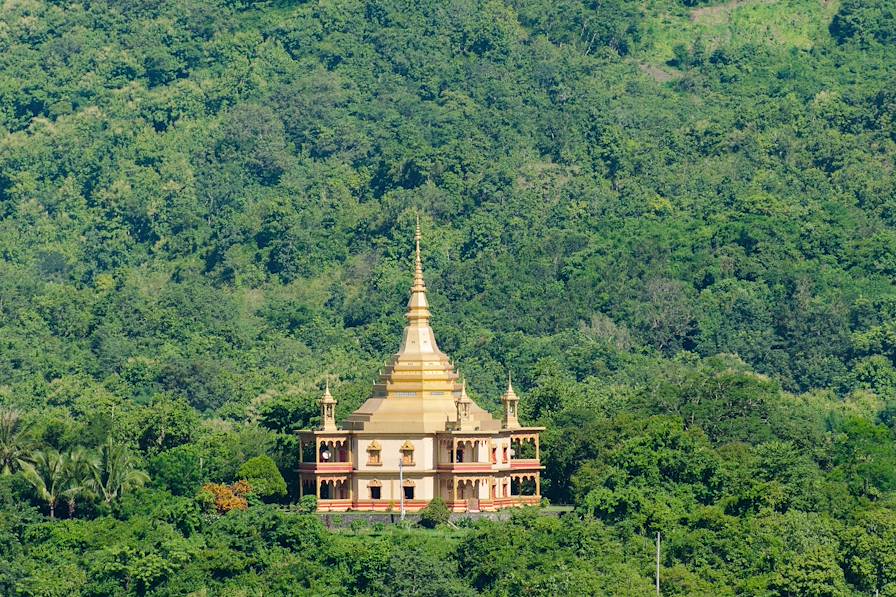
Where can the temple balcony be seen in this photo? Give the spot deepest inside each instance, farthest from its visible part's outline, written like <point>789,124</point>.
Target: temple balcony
<point>326,467</point>
<point>525,445</point>
<point>325,451</point>
<point>461,452</point>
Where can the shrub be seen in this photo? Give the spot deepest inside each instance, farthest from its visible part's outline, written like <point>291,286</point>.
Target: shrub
<point>263,475</point>
<point>224,498</point>
<point>358,525</point>
<point>242,488</point>
<point>308,504</point>
<point>435,513</point>
<point>177,469</point>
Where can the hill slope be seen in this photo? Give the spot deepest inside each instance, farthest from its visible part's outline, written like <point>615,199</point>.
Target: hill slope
<point>674,221</point>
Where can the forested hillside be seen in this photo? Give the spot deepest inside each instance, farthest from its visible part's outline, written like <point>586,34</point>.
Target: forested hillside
<point>673,221</point>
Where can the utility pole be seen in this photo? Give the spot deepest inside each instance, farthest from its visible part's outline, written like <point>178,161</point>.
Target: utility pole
<point>401,486</point>
<point>657,564</point>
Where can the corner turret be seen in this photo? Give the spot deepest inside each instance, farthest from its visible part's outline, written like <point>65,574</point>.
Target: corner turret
<point>511,402</point>
<point>327,410</point>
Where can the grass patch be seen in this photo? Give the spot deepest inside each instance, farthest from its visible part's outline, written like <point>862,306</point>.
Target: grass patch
<point>782,23</point>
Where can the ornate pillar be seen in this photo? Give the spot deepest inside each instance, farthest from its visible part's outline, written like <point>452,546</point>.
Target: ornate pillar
<point>537,449</point>
<point>537,484</point>
<point>318,482</point>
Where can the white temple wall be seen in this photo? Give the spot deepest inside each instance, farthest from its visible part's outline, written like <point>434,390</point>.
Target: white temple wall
<point>390,453</point>
<point>387,472</point>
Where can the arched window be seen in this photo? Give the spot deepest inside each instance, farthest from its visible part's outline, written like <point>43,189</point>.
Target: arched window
<point>408,489</point>
<point>373,454</point>
<point>407,454</point>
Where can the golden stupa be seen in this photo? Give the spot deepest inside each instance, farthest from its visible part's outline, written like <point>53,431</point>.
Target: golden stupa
<point>419,436</point>
<point>419,387</point>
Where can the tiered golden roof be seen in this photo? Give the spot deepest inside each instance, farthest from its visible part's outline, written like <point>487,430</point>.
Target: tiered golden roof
<point>417,391</point>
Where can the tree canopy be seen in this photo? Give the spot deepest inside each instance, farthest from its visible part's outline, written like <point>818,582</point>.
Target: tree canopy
<point>673,221</point>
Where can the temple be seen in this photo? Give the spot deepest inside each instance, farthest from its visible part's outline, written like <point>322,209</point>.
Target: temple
<point>419,436</point>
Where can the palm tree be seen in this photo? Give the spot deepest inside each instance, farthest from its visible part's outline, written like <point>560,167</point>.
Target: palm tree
<point>79,466</point>
<point>114,473</point>
<point>46,473</point>
<point>15,441</point>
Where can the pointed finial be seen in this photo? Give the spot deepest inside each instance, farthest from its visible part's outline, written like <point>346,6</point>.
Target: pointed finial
<point>418,237</point>
<point>462,404</point>
<point>510,400</point>
<point>419,284</point>
<point>327,409</point>
<point>510,394</point>
<point>463,391</point>
<point>418,306</point>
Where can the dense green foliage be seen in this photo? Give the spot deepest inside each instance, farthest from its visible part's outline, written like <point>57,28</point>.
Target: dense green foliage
<point>435,513</point>
<point>263,476</point>
<point>674,220</point>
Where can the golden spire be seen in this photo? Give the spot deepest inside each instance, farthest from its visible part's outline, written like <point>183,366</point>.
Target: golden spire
<point>418,272</point>
<point>418,337</point>
<point>418,306</point>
